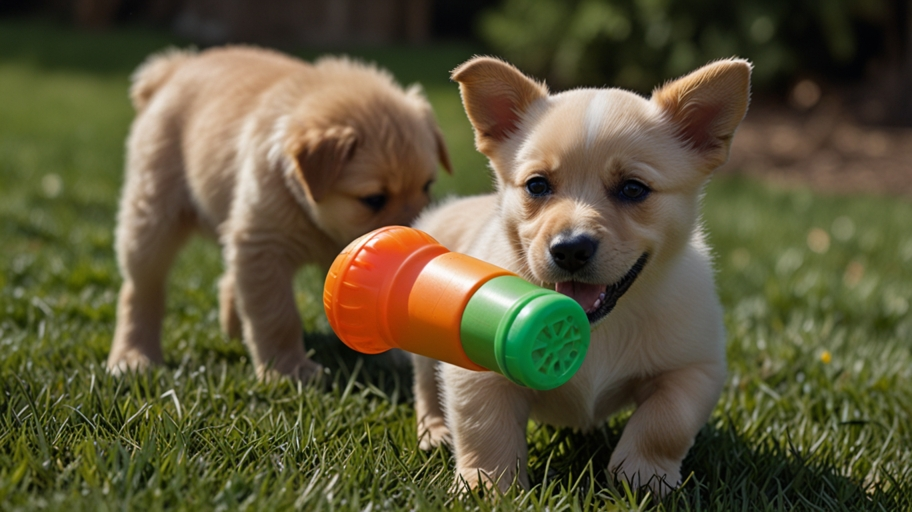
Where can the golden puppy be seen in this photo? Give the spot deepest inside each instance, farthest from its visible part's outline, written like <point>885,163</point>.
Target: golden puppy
<point>598,194</point>
<point>283,161</point>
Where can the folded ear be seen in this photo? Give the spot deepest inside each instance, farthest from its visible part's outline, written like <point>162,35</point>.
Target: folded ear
<point>319,155</point>
<point>495,95</point>
<point>707,106</point>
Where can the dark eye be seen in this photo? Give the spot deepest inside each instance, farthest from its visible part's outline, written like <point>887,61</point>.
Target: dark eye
<point>427,186</point>
<point>375,202</point>
<point>538,187</point>
<point>633,191</point>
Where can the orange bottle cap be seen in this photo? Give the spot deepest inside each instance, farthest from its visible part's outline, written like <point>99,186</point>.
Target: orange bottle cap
<point>358,278</point>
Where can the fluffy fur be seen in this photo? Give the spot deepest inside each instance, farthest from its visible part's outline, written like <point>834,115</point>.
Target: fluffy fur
<point>283,162</point>
<point>662,348</point>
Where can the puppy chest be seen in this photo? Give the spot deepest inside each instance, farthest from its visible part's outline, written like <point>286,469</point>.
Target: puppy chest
<point>588,399</point>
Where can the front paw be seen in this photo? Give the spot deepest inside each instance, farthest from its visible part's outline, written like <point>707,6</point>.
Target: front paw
<point>472,479</point>
<point>432,432</point>
<point>122,361</point>
<point>303,369</point>
<point>639,472</point>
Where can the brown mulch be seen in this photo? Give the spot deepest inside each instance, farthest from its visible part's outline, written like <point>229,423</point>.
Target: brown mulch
<point>824,148</point>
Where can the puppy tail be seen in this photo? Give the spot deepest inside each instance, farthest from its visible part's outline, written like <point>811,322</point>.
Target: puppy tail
<point>153,73</point>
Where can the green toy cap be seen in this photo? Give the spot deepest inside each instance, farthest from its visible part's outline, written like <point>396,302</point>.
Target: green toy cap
<point>540,337</point>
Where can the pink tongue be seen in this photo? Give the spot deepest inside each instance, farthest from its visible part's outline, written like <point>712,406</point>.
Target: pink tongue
<point>584,294</point>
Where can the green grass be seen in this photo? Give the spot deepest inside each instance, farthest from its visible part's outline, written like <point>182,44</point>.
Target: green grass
<point>815,416</point>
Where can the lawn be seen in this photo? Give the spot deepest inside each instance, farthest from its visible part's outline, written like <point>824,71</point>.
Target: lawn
<point>815,415</point>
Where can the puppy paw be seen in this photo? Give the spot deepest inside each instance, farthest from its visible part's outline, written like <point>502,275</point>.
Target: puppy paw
<point>127,361</point>
<point>304,370</point>
<point>640,473</point>
<point>475,479</point>
<point>310,373</point>
<point>432,432</point>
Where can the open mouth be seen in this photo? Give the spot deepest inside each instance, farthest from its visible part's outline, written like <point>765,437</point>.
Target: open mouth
<point>598,300</point>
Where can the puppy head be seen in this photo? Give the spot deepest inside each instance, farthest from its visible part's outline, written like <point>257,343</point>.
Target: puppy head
<point>364,153</point>
<point>599,186</point>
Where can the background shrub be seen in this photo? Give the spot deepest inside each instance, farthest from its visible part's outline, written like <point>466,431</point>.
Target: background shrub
<point>638,43</point>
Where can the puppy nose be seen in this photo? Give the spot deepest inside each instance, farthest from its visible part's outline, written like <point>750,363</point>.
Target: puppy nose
<point>571,254</point>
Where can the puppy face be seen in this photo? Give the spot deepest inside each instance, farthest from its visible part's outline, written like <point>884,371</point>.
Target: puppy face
<point>365,160</point>
<point>599,186</point>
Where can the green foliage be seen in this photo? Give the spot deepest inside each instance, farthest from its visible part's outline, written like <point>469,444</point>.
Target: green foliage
<point>639,43</point>
<point>815,415</point>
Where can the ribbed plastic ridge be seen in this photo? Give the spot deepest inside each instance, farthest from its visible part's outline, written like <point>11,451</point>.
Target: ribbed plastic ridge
<point>540,337</point>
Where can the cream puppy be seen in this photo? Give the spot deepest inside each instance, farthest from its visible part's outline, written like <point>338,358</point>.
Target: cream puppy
<point>283,162</point>
<point>598,194</point>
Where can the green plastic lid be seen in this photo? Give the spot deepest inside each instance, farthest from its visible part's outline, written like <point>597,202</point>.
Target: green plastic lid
<point>535,337</point>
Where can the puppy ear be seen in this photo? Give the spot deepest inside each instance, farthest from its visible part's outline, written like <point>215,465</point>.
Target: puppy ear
<point>443,155</point>
<point>495,95</point>
<point>707,106</point>
<point>320,155</point>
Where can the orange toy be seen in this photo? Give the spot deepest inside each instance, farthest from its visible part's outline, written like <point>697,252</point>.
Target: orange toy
<point>396,287</point>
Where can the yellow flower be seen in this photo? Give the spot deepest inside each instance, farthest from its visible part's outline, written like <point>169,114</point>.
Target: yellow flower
<point>826,357</point>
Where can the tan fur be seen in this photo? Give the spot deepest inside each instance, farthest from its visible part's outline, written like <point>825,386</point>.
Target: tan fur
<point>662,349</point>
<point>153,73</point>
<point>273,157</point>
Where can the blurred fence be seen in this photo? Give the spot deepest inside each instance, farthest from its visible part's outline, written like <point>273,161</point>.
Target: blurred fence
<point>274,22</point>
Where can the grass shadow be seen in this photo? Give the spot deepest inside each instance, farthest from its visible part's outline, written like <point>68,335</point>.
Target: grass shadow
<point>723,470</point>
<point>389,372</point>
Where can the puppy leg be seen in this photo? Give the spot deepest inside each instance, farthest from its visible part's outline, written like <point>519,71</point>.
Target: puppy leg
<point>150,232</point>
<point>265,301</point>
<point>487,416</point>
<point>671,410</point>
<point>228,314</point>
<point>432,429</point>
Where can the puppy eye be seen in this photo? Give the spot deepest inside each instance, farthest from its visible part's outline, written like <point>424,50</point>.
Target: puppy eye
<point>633,191</point>
<point>375,202</point>
<point>427,186</point>
<point>538,187</point>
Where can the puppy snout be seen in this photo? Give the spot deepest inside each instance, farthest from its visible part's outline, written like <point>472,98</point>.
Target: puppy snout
<point>571,254</point>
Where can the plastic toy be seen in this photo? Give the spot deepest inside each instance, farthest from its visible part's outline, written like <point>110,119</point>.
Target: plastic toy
<point>396,287</point>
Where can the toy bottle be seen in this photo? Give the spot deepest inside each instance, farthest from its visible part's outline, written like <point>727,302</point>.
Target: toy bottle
<point>396,287</point>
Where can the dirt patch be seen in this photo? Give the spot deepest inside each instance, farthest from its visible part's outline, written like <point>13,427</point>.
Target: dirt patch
<point>824,147</point>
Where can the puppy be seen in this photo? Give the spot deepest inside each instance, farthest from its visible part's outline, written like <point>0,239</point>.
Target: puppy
<point>283,162</point>
<point>597,196</point>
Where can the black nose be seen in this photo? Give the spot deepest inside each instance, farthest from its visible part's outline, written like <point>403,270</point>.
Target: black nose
<point>572,253</point>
